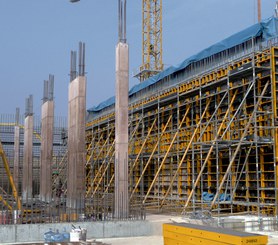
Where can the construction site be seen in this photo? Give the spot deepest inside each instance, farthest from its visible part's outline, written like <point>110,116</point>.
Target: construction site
<point>195,143</point>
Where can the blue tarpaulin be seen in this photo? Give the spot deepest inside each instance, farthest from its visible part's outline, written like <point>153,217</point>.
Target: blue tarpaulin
<point>266,29</point>
<point>207,197</point>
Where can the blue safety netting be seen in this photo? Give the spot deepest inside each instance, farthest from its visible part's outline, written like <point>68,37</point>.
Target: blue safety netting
<point>266,29</point>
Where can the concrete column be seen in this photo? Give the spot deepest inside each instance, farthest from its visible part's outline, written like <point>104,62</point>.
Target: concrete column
<point>121,124</point>
<point>27,190</point>
<point>76,145</point>
<point>47,126</point>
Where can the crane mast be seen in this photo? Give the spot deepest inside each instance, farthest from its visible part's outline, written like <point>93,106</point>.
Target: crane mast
<point>151,39</point>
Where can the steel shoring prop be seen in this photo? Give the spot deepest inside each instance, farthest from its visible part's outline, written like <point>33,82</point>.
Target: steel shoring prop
<point>243,166</point>
<point>186,151</point>
<point>91,154</point>
<point>133,132</point>
<point>109,184</point>
<point>142,147</point>
<point>209,152</point>
<point>151,156</point>
<point>60,169</point>
<point>101,149</point>
<point>90,148</point>
<point>102,176</point>
<point>7,168</point>
<point>165,157</point>
<point>5,203</point>
<point>212,116</point>
<point>215,139</point>
<point>3,200</point>
<point>3,191</point>
<point>102,164</point>
<point>239,144</point>
<point>239,107</point>
<point>109,161</point>
<point>92,151</point>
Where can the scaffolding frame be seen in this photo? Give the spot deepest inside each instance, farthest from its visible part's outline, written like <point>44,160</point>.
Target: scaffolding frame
<point>208,130</point>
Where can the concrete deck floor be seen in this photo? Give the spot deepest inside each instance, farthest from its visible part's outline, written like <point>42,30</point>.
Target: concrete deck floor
<point>157,238</point>
<point>147,240</point>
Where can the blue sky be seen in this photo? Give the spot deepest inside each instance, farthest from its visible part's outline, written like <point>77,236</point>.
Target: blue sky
<point>38,35</point>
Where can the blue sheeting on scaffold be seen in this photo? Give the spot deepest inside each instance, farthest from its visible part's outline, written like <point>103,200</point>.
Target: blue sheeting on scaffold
<point>267,29</point>
<point>208,197</point>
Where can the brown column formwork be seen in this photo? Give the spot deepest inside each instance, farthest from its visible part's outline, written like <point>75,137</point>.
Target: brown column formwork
<point>46,150</point>
<point>121,136</point>
<point>27,190</point>
<point>76,145</point>
<point>16,155</point>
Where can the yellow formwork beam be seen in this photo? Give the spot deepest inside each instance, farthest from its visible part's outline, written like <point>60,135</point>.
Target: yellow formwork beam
<point>191,234</point>
<point>5,203</point>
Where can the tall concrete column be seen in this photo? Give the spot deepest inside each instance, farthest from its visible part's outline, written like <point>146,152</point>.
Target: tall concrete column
<point>47,125</point>
<point>76,134</point>
<point>16,150</point>
<point>121,127</point>
<point>27,190</point>
<point>76,144</point>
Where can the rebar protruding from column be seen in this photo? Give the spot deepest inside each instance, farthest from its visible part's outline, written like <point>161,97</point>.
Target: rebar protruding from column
<point>48,89</point>
<point>122,20</point>
<point>73,72</point>
<point>45,91</point>
<point>29,106</point>
<point>17,116</point>
<point>51,87</point>
<point>81,59</point>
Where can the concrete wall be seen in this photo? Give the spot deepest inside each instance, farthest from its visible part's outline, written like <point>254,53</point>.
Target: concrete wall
<point>34,232</point>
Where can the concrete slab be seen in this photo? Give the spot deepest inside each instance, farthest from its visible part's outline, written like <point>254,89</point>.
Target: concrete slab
<point>153,240</point>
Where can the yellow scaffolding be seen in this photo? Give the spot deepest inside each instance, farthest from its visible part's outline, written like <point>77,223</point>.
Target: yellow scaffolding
<point>212,133</point>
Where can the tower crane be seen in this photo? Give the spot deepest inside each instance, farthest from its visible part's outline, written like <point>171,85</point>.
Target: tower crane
<point>151,39</point>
